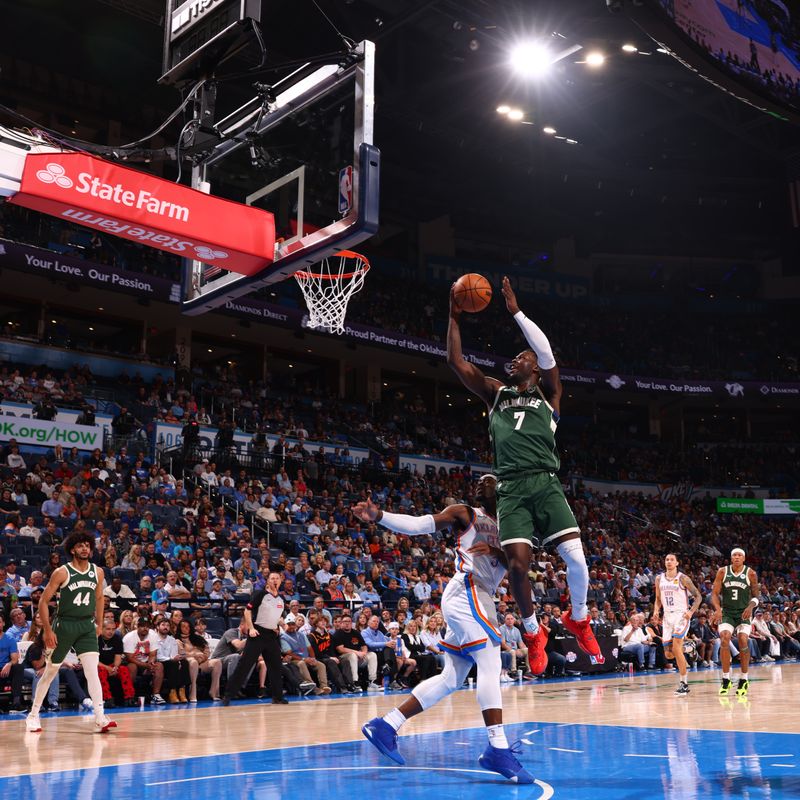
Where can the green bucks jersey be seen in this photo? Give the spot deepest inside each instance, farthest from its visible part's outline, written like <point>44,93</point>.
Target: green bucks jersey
<point>522,427</point>
<point>735,595</point>
<point>77,599</point>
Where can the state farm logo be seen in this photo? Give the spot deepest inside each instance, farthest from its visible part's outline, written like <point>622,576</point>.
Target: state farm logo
<point>114,193</point>
<point>207,254</point>
<point>55,173</point>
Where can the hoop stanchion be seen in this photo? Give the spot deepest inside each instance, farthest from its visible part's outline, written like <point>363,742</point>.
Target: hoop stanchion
<point>329,288</point>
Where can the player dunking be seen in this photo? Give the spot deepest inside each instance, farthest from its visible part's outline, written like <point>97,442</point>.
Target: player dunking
<point>672,594</point>
<point>737,587</point>
<point>78,623</point>
<point>523,416</point>
<point>472,635</point>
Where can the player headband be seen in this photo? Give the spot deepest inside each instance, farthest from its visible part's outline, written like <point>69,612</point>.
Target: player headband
<point>737,551</point>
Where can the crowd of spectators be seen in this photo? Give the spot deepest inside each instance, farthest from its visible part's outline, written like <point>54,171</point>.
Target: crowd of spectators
<point>191,548</point>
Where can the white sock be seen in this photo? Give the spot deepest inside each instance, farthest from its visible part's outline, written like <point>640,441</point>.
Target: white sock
<point>726,675</point>
<point>744,675</point>
<point>683,679</point>
<point>577,576</point>
<point>395,718</point>
<point>531,624</point>
<point>497,736</point>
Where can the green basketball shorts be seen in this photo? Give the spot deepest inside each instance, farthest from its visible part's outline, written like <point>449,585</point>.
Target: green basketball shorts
<point>533,509</point>
<point>732,621</point>
<point>79,634</point>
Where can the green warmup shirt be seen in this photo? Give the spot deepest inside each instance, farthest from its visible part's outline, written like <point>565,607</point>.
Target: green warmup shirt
<point>522,427</point>
<point>77,599</point>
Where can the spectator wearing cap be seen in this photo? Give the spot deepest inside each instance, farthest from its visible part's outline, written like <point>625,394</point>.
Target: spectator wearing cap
<point>296,652</point>
<point>159,598</point>
<point>13,579</point>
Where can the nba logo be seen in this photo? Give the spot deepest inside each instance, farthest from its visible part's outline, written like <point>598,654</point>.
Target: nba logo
<point>345,190</point>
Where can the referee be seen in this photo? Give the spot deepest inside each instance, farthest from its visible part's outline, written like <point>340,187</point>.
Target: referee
<point>262,619</point>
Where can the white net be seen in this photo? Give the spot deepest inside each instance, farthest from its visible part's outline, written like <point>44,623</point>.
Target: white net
<point>329,288</point>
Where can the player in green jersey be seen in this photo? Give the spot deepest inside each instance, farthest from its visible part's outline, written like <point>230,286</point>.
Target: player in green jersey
<point>734,596</point>
<point>531,506</point>
<point>77,624</point>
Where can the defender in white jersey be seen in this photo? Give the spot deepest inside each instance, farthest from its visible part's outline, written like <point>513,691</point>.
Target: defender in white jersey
<point>472,634</point>
<point>672,594</point>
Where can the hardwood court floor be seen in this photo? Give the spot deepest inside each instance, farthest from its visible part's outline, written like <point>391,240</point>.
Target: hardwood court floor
<point>593,729</point>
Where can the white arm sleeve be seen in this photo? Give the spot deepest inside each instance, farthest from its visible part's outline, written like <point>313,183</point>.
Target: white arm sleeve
<point>537,340</point>
<point>405,523</point>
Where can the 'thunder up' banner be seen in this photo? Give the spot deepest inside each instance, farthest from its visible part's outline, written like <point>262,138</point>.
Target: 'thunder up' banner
<point>736,505</point>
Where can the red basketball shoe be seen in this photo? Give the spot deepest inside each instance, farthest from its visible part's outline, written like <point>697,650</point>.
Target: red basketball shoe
<point>582,631</point>
<point>537,658</point>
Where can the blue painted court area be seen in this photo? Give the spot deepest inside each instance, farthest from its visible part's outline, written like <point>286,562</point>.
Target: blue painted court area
<point>569,761</point>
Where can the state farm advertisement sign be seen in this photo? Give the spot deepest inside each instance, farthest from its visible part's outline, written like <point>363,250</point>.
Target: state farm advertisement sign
<point>148,210</point>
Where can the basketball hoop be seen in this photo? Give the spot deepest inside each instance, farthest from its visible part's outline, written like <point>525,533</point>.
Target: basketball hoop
<point>328,290</point>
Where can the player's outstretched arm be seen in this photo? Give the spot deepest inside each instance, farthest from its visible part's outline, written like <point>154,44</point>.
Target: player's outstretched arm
<point>459,516</point>
<point>468,374</point>
<point>539,343</point>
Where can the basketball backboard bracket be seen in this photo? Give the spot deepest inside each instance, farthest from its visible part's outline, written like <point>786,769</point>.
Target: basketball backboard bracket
<point>307,156</point>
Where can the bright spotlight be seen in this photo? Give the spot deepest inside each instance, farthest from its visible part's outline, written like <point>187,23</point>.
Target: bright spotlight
<point>630,48</point>
<point>503,109</point>
<point>549,130</point>
<point>595,59</point>
<point>531,59</point>
<point>515,114</point>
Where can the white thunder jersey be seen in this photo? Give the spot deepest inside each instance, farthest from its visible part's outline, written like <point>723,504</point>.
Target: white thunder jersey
<point>487,571</point>
<point>674,598</point>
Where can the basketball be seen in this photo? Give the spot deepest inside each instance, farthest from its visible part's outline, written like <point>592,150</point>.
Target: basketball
<point>473,292</point>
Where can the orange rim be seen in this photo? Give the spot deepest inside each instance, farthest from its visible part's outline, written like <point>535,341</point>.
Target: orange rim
<point>303,275</point>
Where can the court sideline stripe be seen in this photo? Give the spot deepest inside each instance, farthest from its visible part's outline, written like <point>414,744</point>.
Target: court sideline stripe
<point>547,789</point>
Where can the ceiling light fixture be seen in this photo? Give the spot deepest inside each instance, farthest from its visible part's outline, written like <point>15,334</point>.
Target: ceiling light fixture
<point>516,115</point>
<point>503,109</point>
<point>549,130</point>
<point>595,59</point>
<point>531,59</point>
<point>630,48</point>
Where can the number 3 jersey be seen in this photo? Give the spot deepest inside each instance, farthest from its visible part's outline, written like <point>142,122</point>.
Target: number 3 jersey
<point>487,571</point>
<point>522,427</point>
<point>77,597</point>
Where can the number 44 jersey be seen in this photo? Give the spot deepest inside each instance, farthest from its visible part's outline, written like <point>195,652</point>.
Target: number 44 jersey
<point>522,427</point>
<point>77,597</point>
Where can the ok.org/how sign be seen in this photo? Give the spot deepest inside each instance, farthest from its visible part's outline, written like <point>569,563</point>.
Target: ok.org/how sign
<point>43,433</point>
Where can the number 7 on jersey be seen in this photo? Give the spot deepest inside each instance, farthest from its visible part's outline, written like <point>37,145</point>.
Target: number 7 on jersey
<point>519,416</point>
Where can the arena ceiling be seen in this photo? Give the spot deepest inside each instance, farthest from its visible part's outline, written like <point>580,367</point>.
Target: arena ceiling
<point>663,159</point>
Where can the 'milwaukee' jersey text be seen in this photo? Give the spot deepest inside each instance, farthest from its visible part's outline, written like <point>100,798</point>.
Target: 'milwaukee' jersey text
<point>522,427</point>
<point>77,597</point>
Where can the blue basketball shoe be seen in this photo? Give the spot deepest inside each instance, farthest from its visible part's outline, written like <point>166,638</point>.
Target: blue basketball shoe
<point>384,737</point>
<point>506,763</point>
